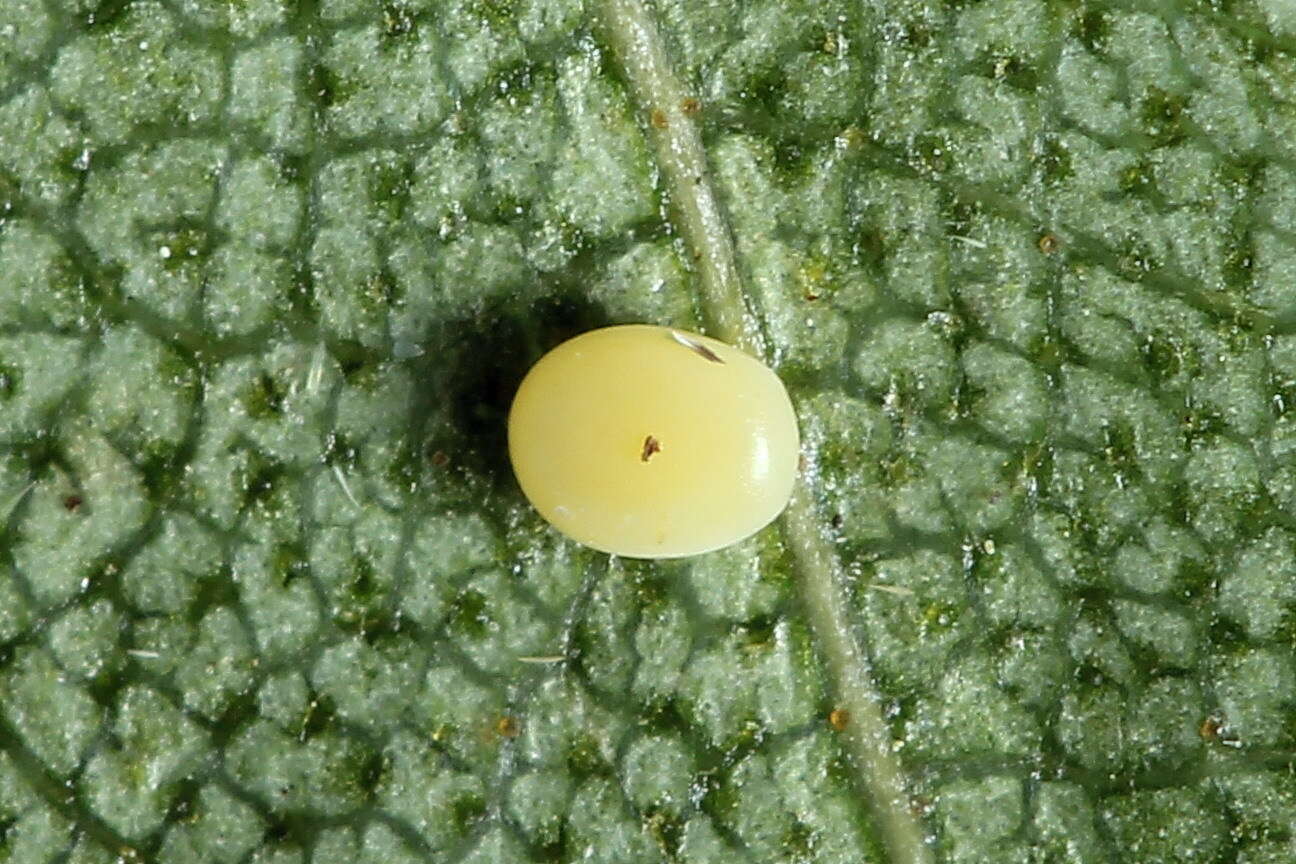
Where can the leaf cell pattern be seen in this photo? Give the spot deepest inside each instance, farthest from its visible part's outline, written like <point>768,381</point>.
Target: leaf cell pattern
<point>269,271</point>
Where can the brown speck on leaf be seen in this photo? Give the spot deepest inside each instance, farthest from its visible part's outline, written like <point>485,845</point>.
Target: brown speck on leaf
<point>508,727</point>
<point>1209,730</point>
<point>659,119</point>
<point>72,503</point>
<point>697,347</point>
<point>839,719</point>
<point>1048,243</point>
<point>691,106</point>
<point>440,459</point>
<point>651,446</point>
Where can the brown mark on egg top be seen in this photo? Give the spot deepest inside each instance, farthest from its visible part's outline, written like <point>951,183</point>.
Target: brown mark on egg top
<point>650,446</point>
<point>697,347</point>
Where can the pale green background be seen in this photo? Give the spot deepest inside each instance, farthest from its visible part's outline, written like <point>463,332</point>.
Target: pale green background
<point>269,269</point>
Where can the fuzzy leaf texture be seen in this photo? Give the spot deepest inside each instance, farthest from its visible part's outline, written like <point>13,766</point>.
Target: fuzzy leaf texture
<point>270,269</point>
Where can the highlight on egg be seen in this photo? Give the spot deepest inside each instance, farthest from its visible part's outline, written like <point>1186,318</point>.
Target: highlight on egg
<point>653,442</point>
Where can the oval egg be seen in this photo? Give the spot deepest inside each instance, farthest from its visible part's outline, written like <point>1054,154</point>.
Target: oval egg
<point>653,442</point>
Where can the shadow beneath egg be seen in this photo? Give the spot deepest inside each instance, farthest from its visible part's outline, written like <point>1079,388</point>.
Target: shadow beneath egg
<point>465,379</point>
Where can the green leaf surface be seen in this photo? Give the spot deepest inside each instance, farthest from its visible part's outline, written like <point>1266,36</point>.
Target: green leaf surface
<point>270,271</point>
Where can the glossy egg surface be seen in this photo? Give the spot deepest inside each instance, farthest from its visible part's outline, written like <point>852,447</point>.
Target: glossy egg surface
<point>653,442</point>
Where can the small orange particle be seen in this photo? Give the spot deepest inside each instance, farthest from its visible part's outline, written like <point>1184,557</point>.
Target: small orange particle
<point>839,719</point>
<point>1048,243</point>
<point>72,503</point>
<point>659,119</point>
<point>691,106</point>
<point>852,137</point>
<point>1209,730</point>
<point>508,727</point>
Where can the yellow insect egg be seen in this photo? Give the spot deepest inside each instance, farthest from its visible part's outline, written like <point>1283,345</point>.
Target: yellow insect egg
<point>653,442</point>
